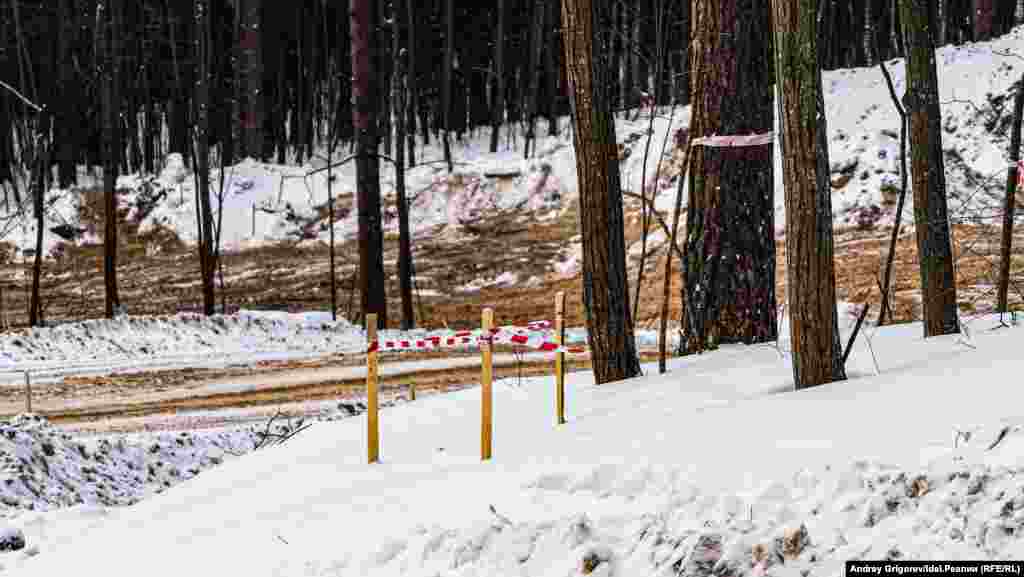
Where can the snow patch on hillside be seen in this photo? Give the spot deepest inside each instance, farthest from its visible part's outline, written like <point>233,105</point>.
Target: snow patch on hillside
<point>183,339</point>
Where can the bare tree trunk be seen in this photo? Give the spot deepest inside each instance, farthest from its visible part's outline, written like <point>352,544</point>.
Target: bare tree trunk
<point>385,72</point>
<point>730,256</point>
<point>207,262</point>
<point>446,82</point>
<point>38,188</point>
<point>1006,248</point>
<point>983,12</point>
<point>811,284</point>
<point>252,78</point>
<point>536,44</point>
<point>404,240</point>
<point>112,145</point>
<point>413,98</point>
<point>37,162</point>
<point>499,76</point>
<point>330,215</point>
<point>605,288</point>
<point>364,93</point>
<point>332,139</point>
<point>931,220</point>
<point>667,281</point>
<point>552,70</point>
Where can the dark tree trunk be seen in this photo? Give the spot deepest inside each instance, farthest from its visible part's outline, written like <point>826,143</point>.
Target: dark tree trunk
<point>499,76</point>
<point>38,187</point>
<point>552,70</point>
<point>112,140</point>
<point>413,95</point>
<point>931,221</point>
<point>1009,207</point>
<point>811,285</point>
<point>881,17</point>
<point>365,63</point>
<point>605,288</point>
<point>446,81</point>
<point>730,257</point>
<point>399,94</point>
<point>1003,19</point>
<point>251,80</point>
<point>207,264</point>
<point>535,71</point>
<point>984,18</point>
<point>384,83</point>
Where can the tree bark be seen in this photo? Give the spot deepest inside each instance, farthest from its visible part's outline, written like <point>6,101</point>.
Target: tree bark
<point>729,273</point>
<point>1006,246</point>
<point>535,71</point>
<point>413,95</point>
<point>38,188</point>
<point>605,288</point>
<point>499,76</point>
<point>931,221</point>
<point>364,118</point>
<point>983,14</point>
<point>251,77</point>
<point>446,81</point>
<point>111,160</point>
<point>404,240</point>
<point>207,264</point>
<point>810,289</point>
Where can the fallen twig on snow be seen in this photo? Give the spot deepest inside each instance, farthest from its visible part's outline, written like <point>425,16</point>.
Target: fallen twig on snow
<point>999,438</point>
<point>500,517</point>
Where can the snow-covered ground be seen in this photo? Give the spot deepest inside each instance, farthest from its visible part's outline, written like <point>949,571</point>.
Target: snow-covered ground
<point>975,83</point>
<point>137,343</point>
<point>134,343</point>
<point>687,470</point>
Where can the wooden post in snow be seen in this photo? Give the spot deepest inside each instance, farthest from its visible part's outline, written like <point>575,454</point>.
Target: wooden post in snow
<point>560,357</point>
<point>412,390</point>
<point>486,411</point>
<point>372,421</point>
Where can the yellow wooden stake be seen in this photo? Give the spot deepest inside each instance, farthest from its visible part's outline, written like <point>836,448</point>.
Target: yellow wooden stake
<point>560,357</point>
<point>412,391</point>
<point>486,374</point>
<point>372,418</point>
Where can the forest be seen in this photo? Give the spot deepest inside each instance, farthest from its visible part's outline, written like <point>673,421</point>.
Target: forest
<point>118,85</point>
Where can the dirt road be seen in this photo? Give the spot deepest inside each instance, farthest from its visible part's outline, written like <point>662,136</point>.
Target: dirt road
<point>114,400</point>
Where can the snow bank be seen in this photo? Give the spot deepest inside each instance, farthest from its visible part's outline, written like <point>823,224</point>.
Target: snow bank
<point>184,339</point>
<point>43,468</point>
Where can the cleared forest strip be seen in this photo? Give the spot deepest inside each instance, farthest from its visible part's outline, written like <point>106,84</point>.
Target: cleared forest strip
<point>304,388</point>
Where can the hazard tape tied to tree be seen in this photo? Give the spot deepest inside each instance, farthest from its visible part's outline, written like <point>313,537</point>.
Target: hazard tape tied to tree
<point>734,140</point>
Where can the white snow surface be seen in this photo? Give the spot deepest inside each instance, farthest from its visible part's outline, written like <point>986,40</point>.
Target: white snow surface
<point>687,470</point>
<point>133,343</point>
<point>130,342</point>
<point>975,85</point>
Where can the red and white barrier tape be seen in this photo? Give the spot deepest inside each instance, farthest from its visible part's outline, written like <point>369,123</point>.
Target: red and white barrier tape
<point>734,140</point>
<point>535,335</point>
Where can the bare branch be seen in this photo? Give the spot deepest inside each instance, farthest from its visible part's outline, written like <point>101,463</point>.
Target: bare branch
<point>21,96</point>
